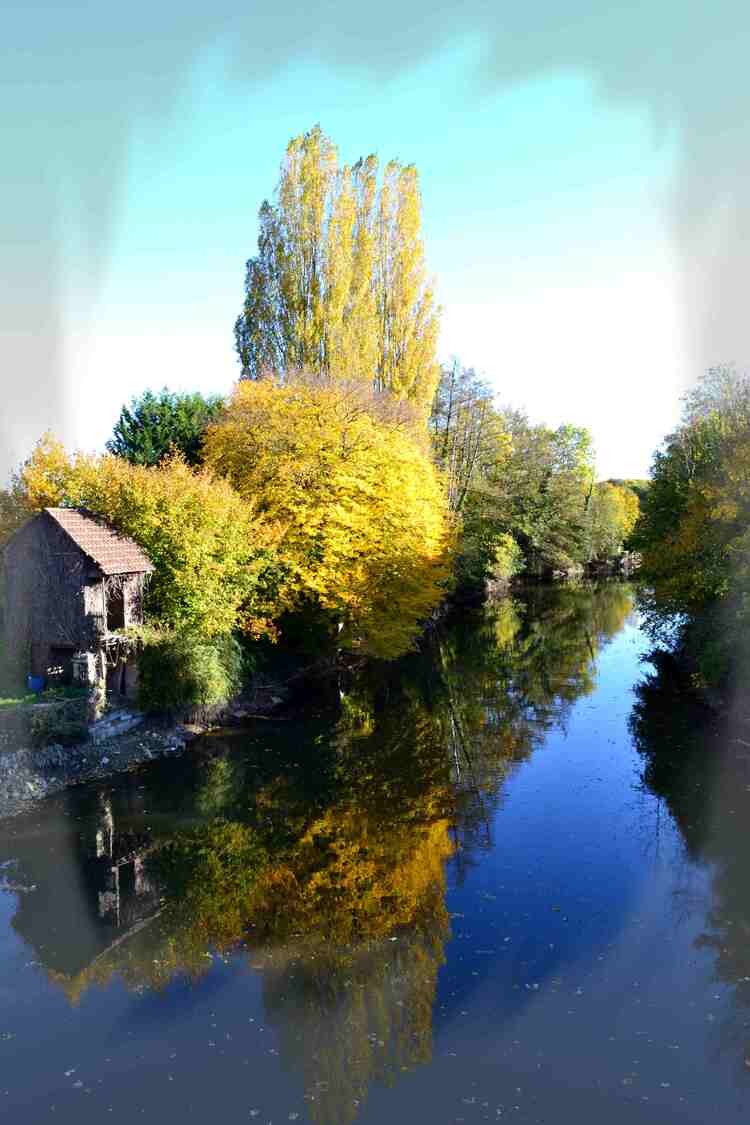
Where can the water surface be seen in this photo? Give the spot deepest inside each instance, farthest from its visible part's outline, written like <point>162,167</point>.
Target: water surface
<point>505,878</point>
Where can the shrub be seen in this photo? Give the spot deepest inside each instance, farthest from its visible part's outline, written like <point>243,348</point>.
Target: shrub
<point>180,670</point>
<point>508,558</point>
<point>486,556</point>
<point>65,723</point>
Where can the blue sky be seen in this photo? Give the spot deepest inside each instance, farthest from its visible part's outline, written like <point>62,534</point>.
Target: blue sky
<point>574,241</point>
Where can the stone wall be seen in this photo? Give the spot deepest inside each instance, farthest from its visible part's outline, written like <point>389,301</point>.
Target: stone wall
<point>40,724</point>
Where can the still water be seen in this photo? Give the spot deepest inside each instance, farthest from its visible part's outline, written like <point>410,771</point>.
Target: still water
<point>503,879</point>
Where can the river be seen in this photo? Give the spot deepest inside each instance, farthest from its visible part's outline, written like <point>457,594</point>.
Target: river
<point>505,878</point>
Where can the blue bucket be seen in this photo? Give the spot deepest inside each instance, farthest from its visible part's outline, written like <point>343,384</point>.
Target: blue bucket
<point>35,683</point>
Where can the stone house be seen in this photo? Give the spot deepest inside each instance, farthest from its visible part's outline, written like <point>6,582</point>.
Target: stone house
<point>70,581</point>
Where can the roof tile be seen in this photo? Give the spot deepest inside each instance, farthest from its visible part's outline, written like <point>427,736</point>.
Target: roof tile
<point>113,553</point>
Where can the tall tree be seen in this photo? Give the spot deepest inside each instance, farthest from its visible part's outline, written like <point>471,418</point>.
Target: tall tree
<point>155,425</point>
<point>694,530</point>
<point>523,491</point>
<point>468,436</point>
<point>694,536</point>
<point>612,512</point>
<point>338,286</point>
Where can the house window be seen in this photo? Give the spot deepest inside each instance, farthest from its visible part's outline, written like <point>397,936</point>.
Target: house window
<point>93,601</point>
<point>115,609</point>
<point>60,667</point>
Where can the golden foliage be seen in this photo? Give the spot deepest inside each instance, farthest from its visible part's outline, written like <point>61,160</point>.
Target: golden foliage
<point>348,880</point>
<point>612,514</point>
<point>207,546</point>
<point>338,286</point>
<point>357,511</point>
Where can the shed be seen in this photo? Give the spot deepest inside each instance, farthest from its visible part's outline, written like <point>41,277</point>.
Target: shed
<point>70,580</point>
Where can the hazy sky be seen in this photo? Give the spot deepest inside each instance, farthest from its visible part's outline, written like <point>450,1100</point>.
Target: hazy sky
<point>585,172</point>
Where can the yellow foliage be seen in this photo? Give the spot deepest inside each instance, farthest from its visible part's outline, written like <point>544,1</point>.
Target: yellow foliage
<point>339,286</point>
<point>629,509</point>
<point>43,478</point>
<point>356,508</point>
<point>613,512</point>
<point>348,880</point>
<point>205,542</point>
<point>13,513</point>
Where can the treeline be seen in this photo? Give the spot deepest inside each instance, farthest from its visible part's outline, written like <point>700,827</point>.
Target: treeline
<point>347,485</point>
<point>694,532</point>
<point>526,495</point>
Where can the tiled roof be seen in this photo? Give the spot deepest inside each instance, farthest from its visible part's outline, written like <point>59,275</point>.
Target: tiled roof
<point>113,553</point>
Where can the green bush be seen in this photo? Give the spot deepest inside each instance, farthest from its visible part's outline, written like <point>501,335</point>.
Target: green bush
<point>178,670</point>
<point>508,558</point>
<point>486,555</point>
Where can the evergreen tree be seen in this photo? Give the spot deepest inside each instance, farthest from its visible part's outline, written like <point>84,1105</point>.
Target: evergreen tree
<point>154,425</point>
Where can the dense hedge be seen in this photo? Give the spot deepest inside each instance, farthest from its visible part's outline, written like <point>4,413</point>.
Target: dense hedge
<point>177,670</point>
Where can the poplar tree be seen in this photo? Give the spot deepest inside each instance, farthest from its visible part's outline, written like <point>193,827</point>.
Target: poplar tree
<point>339,286</point>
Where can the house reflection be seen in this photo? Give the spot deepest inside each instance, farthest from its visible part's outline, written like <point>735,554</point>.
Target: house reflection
<point>316,851</point>
<point>90,890</point>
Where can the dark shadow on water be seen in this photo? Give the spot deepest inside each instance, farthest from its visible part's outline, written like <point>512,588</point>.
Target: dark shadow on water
<point>697,763</point>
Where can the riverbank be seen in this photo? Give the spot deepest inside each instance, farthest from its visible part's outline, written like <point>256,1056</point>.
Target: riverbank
<point>29,774</point>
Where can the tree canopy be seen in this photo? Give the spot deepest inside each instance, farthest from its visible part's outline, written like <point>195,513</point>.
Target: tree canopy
<point>694,530</point>
<point>208,547</point>
<point>357,508</point>
<point>155,425</point>
<point>338,285</point>
<point>526,494</point>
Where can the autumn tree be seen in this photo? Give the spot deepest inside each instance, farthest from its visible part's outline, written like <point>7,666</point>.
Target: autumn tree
<point>356,506</point>
<point>469,439</point>
<point>338,286</point>
<point>523,491</point>
<point>471,445</point>
<point>208,547</point>
<point>612,512</point>
<point>694,529</point>
<point>543,492</point>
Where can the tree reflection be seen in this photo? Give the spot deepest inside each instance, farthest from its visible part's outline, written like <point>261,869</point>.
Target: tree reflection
<point>698,763</point>
<point>320,846</point>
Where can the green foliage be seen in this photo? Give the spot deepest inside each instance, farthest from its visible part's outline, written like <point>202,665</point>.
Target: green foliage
<point>13,512</point>
<point>212,568</point>
<point>694,529</point>
<point>612,512</point>
<point>507,559</point>
<point>155,425</point>
<point>485,555</point>
<point>65,723</point>
<point>508,477</point>
<point>180,670</point>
